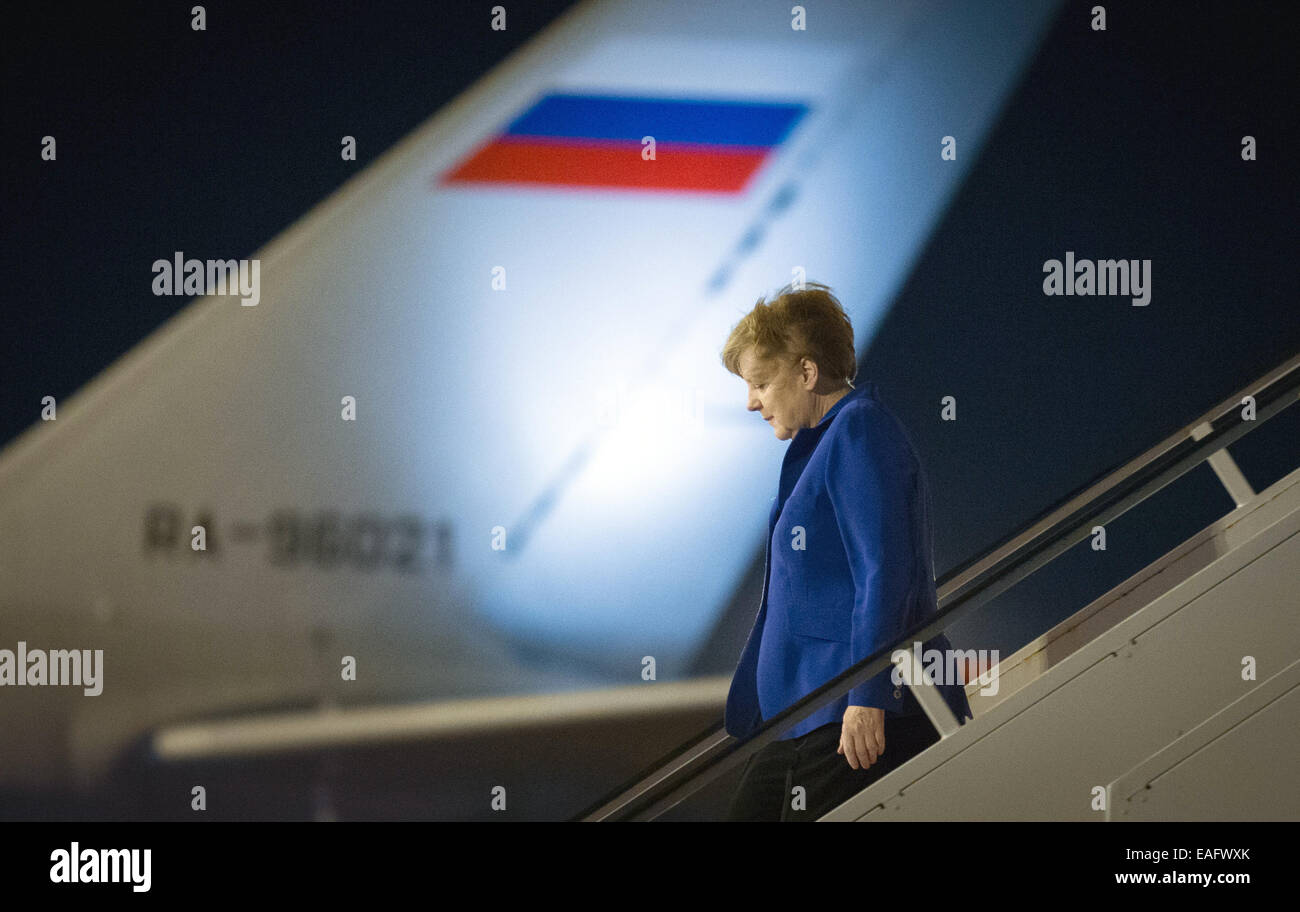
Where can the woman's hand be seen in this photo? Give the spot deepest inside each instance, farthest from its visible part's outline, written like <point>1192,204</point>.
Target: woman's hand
<point>862,738</point>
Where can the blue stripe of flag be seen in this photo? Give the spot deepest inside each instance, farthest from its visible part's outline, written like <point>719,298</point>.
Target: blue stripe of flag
<point>616,117</point>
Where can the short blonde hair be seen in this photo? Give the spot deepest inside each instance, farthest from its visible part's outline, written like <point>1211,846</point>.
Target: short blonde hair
<point>805,323</point>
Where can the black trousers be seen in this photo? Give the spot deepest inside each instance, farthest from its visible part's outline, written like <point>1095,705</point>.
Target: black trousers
<point>811,761</point>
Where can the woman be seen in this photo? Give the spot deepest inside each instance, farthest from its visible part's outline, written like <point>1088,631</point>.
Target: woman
<point>849,566</point>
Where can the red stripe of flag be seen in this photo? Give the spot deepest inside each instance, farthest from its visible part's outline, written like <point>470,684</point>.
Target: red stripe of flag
<point>610,164</point>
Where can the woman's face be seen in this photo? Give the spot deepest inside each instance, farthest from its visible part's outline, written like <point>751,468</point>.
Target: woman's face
<point>776,392</point>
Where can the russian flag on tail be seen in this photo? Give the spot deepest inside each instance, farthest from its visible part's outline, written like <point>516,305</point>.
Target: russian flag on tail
<point>568,140</point>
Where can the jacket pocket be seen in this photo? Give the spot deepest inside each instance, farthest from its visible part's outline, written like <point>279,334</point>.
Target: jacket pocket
<point>822,622</point>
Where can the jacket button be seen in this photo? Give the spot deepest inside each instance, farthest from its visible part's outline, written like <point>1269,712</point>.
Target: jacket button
<point>898,694</point>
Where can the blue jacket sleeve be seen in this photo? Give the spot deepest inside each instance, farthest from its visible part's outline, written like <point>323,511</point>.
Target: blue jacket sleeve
<point>868,477</point>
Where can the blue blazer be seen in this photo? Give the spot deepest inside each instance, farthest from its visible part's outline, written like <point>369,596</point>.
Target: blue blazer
<point>849,569</point>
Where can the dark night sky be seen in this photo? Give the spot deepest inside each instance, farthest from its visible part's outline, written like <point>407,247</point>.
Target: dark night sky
<point>1117,144</point>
